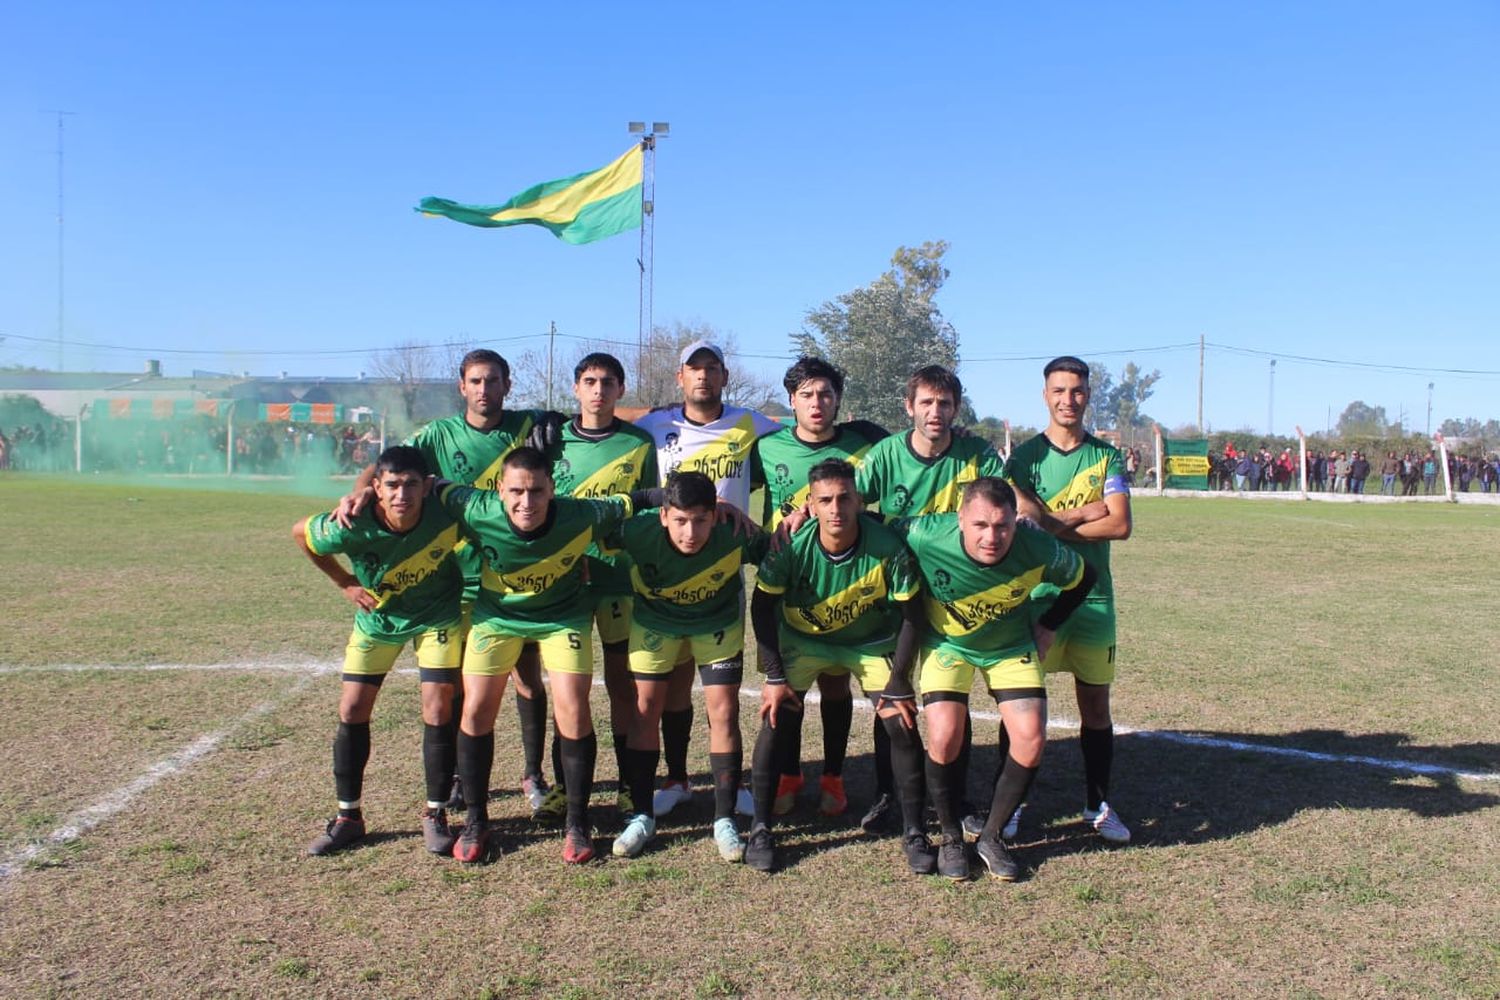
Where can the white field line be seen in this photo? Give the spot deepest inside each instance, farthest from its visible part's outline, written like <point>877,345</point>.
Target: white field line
<point>102,809</point>
<point>314,668</point>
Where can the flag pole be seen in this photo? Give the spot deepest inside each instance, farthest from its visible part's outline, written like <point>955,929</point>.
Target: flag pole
<point>647,259</point>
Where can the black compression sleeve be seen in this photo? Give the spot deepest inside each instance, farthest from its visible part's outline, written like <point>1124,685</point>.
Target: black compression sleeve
<point>907,641</point>
<point>768,643</point>
<point>1068,601</point>
<point>645,499</point>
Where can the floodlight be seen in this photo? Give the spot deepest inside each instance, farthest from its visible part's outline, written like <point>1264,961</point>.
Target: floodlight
<point>636,128</point>
<point>661,128</point>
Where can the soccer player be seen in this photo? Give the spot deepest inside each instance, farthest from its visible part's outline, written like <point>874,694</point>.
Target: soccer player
<point>600,456</point>
<point>534,546</point>
<point>468,448</point>
<point>689,604</point>
<point>406,587</point>
<point>1074,485</point>
<point>979,569</point>
<point>703,434</point>
<point>921,472</point>
<point>839,596</point>
<point>781,461</point>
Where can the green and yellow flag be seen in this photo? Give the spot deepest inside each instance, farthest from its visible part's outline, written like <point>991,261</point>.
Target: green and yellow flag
<point>1187,463</point>
<point>578,209</point>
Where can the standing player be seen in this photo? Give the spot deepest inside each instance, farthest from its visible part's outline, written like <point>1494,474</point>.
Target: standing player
<point>704,434</point>
<point>406,587</point>
<point>979,569</point>
<point>689,604</point>
<point>781,461</point>
<point>839,596</point>
<point>532,590</point>
<point>1074,485</point>
<point>922,472</point>
<point>602,455</point>
<point>468,448</point>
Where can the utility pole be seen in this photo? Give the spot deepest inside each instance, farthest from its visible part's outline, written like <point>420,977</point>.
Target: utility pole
<point>551,340</point>
<point>1429,409</point>
<point>647,259</point>
<point>60,259</point>
<point>1200,384</point>
<point>1271,402</point>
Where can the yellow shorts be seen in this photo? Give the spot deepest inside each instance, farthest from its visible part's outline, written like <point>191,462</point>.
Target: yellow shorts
<point>612,619</point>
<point>436,649</point>
<point>654,654</point>
<point>494,654</point>
<point>1088,664</point>
<point>805,664</point>
<point>947,676</point>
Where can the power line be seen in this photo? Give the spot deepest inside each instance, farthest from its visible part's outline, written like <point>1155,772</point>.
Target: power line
<point>1334,362</point>
<point>275,354</point>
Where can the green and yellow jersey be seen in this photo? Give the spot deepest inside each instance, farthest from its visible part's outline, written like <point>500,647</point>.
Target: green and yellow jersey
<point>412,575</point>
<point>595,464</point>
<point>463,454</point>
<point>532,583</point>
<point>678,594</point>
<point>781,460</point>
<point>847,601</point>
<point>976,611</point>
<point>1066,480</point>
<point>901,483</point>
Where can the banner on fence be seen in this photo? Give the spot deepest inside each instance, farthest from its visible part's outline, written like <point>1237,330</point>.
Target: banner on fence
<point>1186,461</point>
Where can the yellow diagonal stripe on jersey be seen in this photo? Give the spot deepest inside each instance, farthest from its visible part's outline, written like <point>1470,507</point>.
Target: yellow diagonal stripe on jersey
<point>723,457</point>
<point>843,608</point>
<point>1085,487</point>
<point>695,589</point>
<point>967,614</point>
<point>489,479</point>
<point>946,498</point>
<point>616,477</point>
<point>416,567</point>
<point>542,574</point>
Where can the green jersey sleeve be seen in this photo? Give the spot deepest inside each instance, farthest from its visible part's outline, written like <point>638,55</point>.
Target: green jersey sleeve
<point>324,535</point>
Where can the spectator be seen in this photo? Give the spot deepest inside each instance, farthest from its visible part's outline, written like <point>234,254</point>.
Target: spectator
<point>1359,471</point>
<point>1390,467</point>
<point>1429,472</point>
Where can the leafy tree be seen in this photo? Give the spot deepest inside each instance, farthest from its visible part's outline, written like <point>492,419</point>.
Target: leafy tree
<point>651,377</point>
<point>1360,419</point>
<point>1117,405</point>
<point>880,333</point>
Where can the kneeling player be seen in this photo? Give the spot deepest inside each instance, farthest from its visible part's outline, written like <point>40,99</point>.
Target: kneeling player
<point>689,599</point>
<point>406,586</point>
<point>846,589</point>
<point>532,590</point>
<point>979,568</point>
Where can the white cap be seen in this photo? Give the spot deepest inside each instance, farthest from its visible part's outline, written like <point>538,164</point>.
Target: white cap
<point>700,345</point>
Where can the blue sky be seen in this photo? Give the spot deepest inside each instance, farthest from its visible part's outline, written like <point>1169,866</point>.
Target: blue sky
<point>1307,180</point>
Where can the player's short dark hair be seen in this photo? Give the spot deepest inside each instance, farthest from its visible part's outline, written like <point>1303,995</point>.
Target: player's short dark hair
<point>599,359</point>
<point>402,458</point>
<point>937,378</point>
<point>991,488</point>
<point>527,459</point>
<point>808,367</point>
<point>830,468</point>
<point>1067,363</point>
<point>690,491</point>
<point>484,356</point>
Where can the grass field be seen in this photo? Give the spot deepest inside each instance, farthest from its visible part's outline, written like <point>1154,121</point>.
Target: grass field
<point>154,806</point>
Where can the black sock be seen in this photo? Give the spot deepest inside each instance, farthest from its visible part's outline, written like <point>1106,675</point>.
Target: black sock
<point>559,773</point>
<point>533,731</point>
<point>439,759</point>
<point>1098,747</point>
<point>455,716</point>
<point>838,718</point>
<point>578,759</point>
<point>885,779</point>
<point>1010,791</point>
<point>789,754</point>
<point>620,765</point>
<point>764,769</point>
<point>642,770</point>
<point>476,756</point>
<point>961,779</point>
<point>676,729</point>
<point>726,768</point>
<point>906,763</point>
<point>942,786</point>
<point>351,752</point>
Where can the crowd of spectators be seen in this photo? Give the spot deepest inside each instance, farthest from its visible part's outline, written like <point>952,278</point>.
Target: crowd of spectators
<point>1351,471</point>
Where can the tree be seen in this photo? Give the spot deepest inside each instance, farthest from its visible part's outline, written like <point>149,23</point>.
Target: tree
<point>1118,404</point>
<point>877,335</point>
<point>1101,384</point>
<point>1360,419</point>
<point>413,362</point>
<point>657,381</point>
